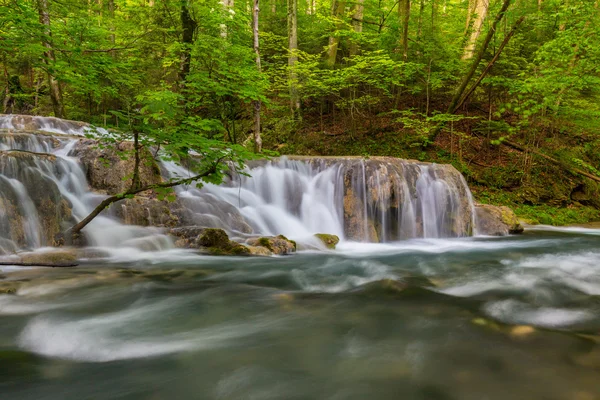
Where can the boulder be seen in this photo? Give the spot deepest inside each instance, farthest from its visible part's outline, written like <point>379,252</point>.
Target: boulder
<point>330,241</point>
<point>496,220</point>
<point>275,244</point>
<point>110,169</point>
<point>212,240</point>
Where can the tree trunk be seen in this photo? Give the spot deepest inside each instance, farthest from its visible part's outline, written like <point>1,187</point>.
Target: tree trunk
<point>472,69</point>
<point>188,26</point>
<point>420,20</point>
<point>481,10</point>
<point>227,5</point>
<point>135,180</point>
<point>292,21</point>
<point>491,63</point>
<point>404,15</point>
<point>50,60</point>
<point>256,103</point>
<point>338,9</point>
<point>357,25</point>
<point>471,4</point>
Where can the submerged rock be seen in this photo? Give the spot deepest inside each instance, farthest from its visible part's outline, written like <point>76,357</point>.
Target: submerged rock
<point>279,245</point>
<point>330,241</point>
<point>496,220</point>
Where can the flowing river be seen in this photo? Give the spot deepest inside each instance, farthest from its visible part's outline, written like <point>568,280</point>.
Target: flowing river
<point>413,304</point>
<point>471,318</point>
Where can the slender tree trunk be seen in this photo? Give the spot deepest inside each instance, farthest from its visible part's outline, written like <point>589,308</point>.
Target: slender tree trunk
<point>338,9</point>
<point>188,26</point>
<point>292,21</point>
<point>227,5</point>
<point>481,10</point>
<point>50,59</point>
<point>135,180</point>
<point>404,15</point>
<point>357,25</point>
<point>420,20</point>
<point>471,5</point>
<point>491,63</point>
<point>472,69</point>
<point>256,103</point>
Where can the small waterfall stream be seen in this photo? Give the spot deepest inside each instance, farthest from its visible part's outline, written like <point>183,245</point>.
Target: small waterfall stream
<point>378,200</point>
<point>44,190</point>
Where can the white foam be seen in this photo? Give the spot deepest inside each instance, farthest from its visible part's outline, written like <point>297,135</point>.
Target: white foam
<point>515,312</point>
<point>339,275</point>
<point>121,335</point>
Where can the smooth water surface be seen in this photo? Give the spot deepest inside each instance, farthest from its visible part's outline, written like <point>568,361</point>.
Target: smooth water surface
<point>481,318</point>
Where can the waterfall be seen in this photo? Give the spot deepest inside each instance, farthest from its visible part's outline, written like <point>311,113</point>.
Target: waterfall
<point>377,200</point>
<point>44,190</point>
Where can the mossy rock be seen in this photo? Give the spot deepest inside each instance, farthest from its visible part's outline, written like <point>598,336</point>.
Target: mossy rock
<point>275,244</point>
<point>330,241</point>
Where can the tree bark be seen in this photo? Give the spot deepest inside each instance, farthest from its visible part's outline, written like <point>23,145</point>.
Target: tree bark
<point>292,21</point>
<point>404,14</point>
<point>256,103</point>
<point>357,25</point>
<point>188,26</point>
<point>50,59</point>
<point>227,5</point>
<point>481,9</point>
<point>135,180</point>
<point>338,9</point>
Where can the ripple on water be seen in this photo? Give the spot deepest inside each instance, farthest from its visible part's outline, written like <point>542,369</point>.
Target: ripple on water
<point>129,334</point>
<point>516,312</point>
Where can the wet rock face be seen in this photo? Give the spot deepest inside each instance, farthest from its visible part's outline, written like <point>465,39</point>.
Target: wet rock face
<point>147,211</point>
<point>388,199</point>
<point>496,220</point>
<point>110,170</point>
<point>32,209</point>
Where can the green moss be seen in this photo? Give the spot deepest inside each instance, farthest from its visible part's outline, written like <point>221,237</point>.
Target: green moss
<point>289,240</point>
<point>330,241</point>
<point>539,213</point>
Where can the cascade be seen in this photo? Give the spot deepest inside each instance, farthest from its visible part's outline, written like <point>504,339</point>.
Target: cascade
<point>43,190</point>
<point>376,200</point>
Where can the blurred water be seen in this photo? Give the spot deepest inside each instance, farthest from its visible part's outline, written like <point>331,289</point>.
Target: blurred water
<point>470,318</point>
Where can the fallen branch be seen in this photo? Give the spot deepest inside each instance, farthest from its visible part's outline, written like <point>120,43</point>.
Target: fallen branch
<point>565,166</point>
<point>40,264</point>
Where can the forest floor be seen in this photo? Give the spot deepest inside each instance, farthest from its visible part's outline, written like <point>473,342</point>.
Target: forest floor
<point>537,190</point>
